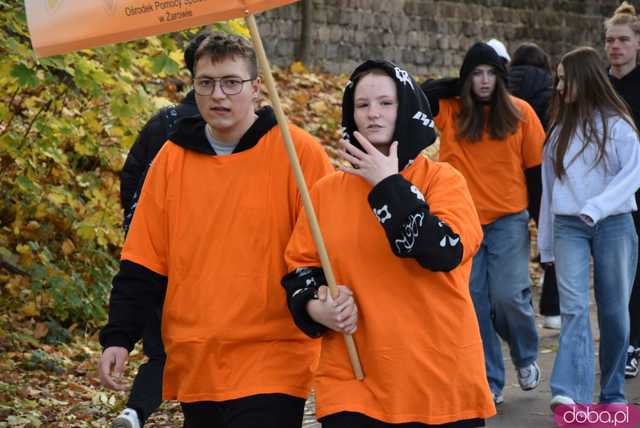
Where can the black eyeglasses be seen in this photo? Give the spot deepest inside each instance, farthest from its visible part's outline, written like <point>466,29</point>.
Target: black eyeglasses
<point>229,85</point>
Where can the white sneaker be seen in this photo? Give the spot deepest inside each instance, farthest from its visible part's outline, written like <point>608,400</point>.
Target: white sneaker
<point>558,400</point>
<point>552,322</point>
<point>127,419</point>
<point>497,398</point>
<point>529,377</point>
<point>631,366</point>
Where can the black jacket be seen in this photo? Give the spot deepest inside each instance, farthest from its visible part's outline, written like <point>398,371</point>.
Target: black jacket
<point>138,290</point>
<point>629,89</point>
<point>535,86</point>
<point>149,142</point>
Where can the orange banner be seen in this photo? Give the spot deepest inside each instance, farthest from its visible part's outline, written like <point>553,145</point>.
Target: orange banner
<point>60,26</point>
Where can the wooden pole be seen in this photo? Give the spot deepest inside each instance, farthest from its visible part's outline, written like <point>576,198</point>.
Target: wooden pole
<point>302,186</point>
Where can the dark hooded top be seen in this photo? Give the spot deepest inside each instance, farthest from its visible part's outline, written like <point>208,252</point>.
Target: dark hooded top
<point>628,87</point>
<point>535,86</point>
<point>482,54</point>
<point>414,124</point>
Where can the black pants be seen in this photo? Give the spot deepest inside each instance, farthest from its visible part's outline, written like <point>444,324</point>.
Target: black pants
<point>549,299</point>
<point>358,420</point>
<point>634,303</point>
<point>256,411</point>
<point>146,392</point>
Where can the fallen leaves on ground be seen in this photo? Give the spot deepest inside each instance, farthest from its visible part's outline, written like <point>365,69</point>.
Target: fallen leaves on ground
<point>49,372</point>
<point>49,375</point>
<point>313,101</point>
<point>56,385</point>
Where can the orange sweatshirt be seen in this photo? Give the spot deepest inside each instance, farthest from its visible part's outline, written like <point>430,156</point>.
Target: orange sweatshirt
<point>418,337</point>
<point>494,169</point>
<point>217,227</point>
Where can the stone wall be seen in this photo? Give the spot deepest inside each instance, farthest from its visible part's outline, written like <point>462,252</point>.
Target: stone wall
<point>429,37</point>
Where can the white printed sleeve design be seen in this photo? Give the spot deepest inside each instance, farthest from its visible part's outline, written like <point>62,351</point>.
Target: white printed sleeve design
<point>410,232</point>
<point>383,214</point>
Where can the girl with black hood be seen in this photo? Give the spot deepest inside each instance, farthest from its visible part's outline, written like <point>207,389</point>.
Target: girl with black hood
<point>495,140</point>
<point>401,231</point>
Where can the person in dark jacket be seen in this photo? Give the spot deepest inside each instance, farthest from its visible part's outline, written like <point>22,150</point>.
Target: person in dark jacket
<point>151,139</point>
<point>622,44</point>
<point>146,393</point>
<point>530,78</point>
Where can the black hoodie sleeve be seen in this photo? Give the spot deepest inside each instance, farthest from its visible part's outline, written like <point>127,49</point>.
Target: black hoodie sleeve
<point>436,89</point>
<point>411,229</point>
<point>301,286</point>
<point>534,190</point>
<point>149,141</point>
<point>136,291</point>
<point>144,149</point>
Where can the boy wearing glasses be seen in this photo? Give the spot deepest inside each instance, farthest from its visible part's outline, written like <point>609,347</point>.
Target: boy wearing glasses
<point>145,395</point>
<point>215,214</point>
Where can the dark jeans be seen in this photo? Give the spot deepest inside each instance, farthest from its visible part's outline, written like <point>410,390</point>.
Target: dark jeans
<point>634,303</point>
<point>549,300</point>
<point>146,392</point>
<point>358,420</point>
<point>256,411</point>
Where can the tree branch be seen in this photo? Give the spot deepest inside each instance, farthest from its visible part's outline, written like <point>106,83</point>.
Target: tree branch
<point>13,112</point>
<point>12,268</point>
<point>44,108</point>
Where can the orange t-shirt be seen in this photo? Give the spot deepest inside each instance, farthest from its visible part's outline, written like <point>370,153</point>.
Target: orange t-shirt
<point>418,337</point>
<point>217,227</point>
<point>494,169</point>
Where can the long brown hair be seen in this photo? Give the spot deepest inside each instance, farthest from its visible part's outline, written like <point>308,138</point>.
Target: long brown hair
<point>595,100</point>
<point>501,120</point>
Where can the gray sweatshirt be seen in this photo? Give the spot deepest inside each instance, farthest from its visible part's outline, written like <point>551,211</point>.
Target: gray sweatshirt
<point>589,190</point>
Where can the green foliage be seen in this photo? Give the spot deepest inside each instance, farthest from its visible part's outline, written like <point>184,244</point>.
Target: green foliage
<point>40,360</point>
<point>66,124</point>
